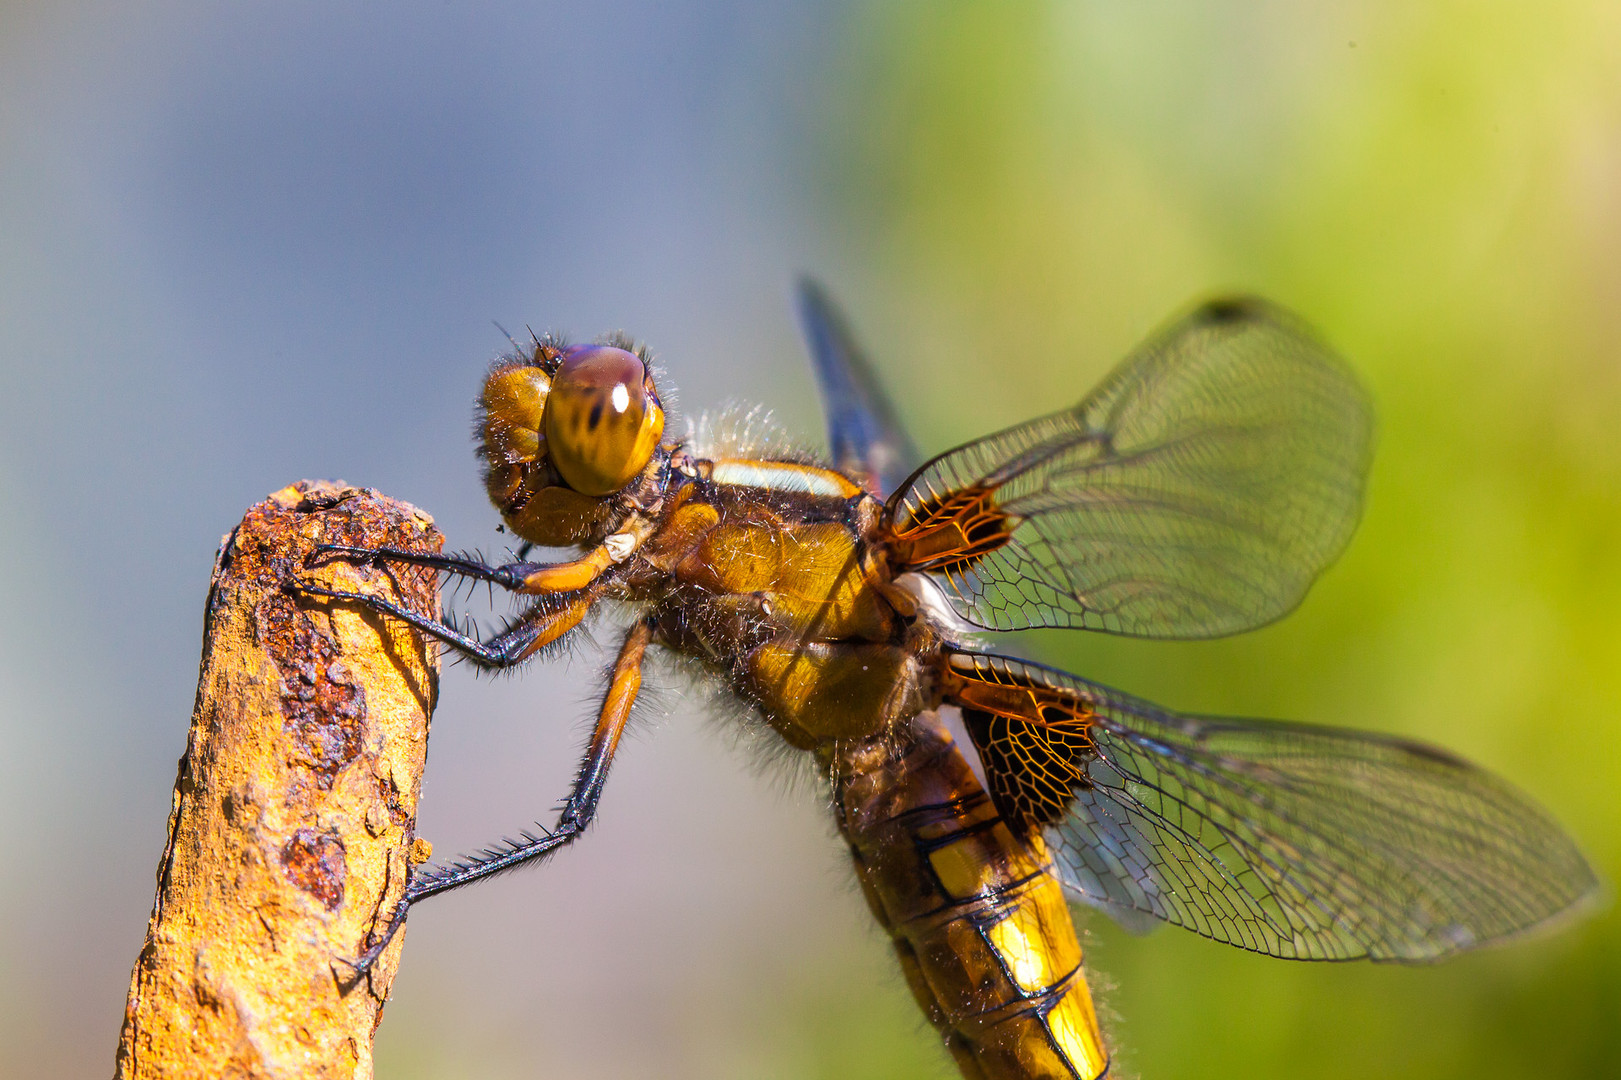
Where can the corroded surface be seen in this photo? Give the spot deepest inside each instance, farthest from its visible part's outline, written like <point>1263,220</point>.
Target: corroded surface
<point>294,812</point>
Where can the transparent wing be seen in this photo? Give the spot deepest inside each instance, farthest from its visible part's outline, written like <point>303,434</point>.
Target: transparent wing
<point>1303,842</point>
<point>866,438</point>
<point>1197,492</point>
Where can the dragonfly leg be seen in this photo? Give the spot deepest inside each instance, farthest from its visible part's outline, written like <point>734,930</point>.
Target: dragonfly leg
<point>578,808</point>
<point>520,577</point>
<point>532,631</point>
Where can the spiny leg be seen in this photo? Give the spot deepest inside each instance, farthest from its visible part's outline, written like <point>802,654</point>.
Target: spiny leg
<point>508,576</point>
<point>533,631</point>
<point>523,577</point>
<point>578,808</point>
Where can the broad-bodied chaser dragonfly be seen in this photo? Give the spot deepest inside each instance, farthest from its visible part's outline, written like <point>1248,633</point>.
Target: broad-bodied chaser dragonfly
<point>1196,493</point>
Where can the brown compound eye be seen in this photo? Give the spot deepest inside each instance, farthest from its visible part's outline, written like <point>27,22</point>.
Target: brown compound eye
<point>603,419</point>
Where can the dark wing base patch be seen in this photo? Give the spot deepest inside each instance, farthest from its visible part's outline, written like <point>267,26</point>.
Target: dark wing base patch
<point>948,534</point>
<point>1033,770</point>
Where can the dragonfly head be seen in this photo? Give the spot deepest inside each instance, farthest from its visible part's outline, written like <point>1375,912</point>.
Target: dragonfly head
<point>562,431</point>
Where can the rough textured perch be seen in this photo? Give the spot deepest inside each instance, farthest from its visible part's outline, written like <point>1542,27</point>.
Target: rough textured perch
<point>294,811</point>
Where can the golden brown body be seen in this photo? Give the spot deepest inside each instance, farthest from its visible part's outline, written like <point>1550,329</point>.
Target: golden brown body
<point>1197,492</point>
<point>790,598</point>
<point>775,575</point>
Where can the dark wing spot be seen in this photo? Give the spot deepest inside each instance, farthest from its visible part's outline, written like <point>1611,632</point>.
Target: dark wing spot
<point>1230,309</point>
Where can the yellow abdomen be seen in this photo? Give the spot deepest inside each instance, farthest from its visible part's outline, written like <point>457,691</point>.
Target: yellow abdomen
<point>978,920</point>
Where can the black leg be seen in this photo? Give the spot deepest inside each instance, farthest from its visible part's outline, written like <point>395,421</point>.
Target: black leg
<point>578,808</point>
<point>538,627</point>
<point>509,576</point>
<point>524,577</point>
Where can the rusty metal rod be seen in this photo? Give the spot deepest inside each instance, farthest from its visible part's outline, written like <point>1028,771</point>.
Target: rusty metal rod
<point>294,813</point>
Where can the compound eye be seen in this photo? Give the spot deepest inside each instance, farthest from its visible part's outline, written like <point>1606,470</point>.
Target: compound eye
<point>603,419</point>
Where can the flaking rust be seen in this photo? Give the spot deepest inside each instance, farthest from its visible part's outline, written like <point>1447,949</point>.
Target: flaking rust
<point>294,812</point>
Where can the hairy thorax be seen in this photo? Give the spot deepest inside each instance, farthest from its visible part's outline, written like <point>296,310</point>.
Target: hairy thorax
<point>767,571</point>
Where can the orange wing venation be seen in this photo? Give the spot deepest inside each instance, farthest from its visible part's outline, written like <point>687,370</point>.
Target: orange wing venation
<point>1197,492</point>
<point>1298,841</point>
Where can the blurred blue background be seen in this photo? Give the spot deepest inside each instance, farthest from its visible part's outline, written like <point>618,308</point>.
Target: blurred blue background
<point>245,244</point>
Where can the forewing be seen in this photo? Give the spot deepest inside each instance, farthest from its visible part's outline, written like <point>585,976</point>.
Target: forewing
<point>867,440</point>
<point>1297,841</point>
<point>1197,492</point>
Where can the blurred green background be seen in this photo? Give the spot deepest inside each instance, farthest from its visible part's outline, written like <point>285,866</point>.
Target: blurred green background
<point>1438,187</point>
<point>206,211</point>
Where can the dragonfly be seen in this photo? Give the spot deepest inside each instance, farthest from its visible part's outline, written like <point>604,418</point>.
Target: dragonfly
<point>1197,492</point>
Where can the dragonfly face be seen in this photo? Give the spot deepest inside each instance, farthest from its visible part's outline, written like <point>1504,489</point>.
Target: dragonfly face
<point>564,430</point>
<point>1197,492</point>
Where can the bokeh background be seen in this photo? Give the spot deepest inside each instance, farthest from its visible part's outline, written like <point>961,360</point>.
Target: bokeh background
<point>243,244</point>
